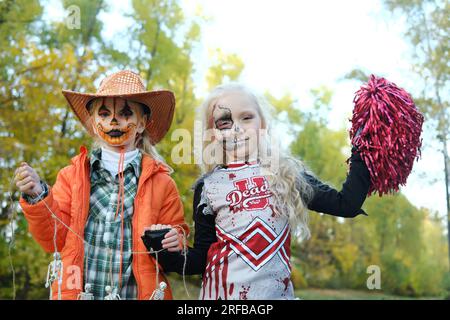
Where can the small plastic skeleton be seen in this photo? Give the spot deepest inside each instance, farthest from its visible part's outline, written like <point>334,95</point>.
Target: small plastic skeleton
<point>158,294</point>
<point>111,293</point>
<point>86,295</point>
<point>55,272</point>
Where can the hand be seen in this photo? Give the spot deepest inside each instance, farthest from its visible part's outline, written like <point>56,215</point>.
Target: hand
<point>27,180</point>
<point>172,240</point>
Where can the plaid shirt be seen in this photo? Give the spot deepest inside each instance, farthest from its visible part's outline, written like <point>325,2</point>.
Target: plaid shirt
<point>102,231</point>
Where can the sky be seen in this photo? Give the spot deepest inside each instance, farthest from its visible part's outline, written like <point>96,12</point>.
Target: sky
<point>293,46</point>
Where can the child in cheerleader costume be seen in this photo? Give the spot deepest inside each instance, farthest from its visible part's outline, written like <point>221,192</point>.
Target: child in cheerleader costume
<point>251,199</point>
<point>110,197</point>
<point>245,209</point>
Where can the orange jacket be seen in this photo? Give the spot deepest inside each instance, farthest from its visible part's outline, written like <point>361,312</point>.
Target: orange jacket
<point>157,201</point>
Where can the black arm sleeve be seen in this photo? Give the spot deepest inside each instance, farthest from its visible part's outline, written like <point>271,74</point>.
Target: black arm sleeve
<point>347,202</point>
<point>204,236</point>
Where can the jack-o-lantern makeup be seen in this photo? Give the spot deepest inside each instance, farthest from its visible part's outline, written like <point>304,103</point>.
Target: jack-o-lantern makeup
<point>117,121</point>
<point>116,136</point>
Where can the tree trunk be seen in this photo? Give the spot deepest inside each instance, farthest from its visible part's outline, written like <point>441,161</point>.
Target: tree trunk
<point>80,64</point>
<point>447,182</point>
<point>153,52</point>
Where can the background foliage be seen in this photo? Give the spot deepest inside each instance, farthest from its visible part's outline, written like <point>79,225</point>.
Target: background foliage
<point>40,57</point>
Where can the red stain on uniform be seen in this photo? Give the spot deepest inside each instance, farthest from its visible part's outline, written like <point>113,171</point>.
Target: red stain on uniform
<point>231,289</point>
<point>273,211</point>
<point>217,260</point>
<point>213,250</point>
<point>225,273</point>
<point>216,280</point>
<point>286,283</point>
<point>243,293</point>
<point>231,176</point>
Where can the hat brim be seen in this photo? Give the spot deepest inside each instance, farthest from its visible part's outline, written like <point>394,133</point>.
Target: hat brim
<point>160,102</point>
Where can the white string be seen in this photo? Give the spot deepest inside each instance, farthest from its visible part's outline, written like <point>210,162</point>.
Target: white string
<point>157,271</point>
<point>184,253</point>
<point>86,261</point>
<point>12,240</point>
<point>56,218</point>
<point>54,237</point>
<point>56,254</point>
<point>81,238</point>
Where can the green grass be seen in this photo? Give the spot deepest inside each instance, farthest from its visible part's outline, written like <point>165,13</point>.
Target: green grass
<point>193,287</point>
<point>179,291</point>
<point>347,294</point>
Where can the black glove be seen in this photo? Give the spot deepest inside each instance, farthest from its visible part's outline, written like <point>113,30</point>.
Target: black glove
<point>152,239</point>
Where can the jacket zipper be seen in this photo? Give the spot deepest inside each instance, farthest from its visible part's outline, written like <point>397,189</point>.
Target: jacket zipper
<point>81,233</point>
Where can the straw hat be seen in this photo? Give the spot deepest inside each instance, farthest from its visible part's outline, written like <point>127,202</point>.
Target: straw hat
<point>128,85</point>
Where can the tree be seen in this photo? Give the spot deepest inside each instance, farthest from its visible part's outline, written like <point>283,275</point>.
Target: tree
<point>38,59</point>
<point>165,62</point>
<point>226,68</point>
<point>37,124</point>
<point>396,236</point>
<point>428,31</point>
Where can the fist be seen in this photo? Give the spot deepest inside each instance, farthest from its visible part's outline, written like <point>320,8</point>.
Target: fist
<point>27,180</point>
<point>172,240</point>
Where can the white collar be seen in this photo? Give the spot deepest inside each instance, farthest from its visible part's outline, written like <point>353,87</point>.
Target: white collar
<point>110,159</point>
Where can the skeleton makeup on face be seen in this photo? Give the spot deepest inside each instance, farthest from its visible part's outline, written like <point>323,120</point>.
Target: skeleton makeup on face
<point>222,118</point>
<point>117,121</point>
<point>226,128</point>
<point>236,124</point>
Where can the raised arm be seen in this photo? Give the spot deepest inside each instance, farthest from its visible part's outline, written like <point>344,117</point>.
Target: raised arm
<point>40,222</point>
<point>346,203</point>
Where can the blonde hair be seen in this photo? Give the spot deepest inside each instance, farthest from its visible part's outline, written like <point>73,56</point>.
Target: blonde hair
<point>142,141</point>
<point>291,190</point>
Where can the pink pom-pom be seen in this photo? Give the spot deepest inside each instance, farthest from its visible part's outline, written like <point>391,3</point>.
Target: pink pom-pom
<point>389,140</point>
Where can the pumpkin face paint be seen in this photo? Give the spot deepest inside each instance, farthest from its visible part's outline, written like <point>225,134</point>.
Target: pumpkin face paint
<point>117,121</point>
<point>116,137</point>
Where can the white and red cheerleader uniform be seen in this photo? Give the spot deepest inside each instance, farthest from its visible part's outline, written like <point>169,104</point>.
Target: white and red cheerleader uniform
<point>241,246</point>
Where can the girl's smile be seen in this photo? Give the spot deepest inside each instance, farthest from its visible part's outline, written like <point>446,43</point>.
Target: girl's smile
<point>116,136</point>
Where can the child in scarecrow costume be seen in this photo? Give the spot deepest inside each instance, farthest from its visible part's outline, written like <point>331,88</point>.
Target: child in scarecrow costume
<point>246,208</point>
<point>102,203</point>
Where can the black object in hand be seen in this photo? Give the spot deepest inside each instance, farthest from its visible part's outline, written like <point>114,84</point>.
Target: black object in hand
<point>152,239</point>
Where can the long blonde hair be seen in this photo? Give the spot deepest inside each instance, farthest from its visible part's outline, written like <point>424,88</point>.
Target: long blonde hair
<point>142,141</point>
<point>291,190</point>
